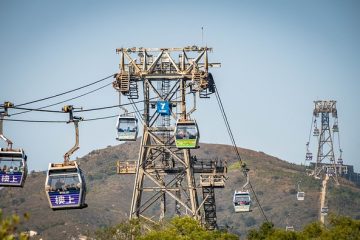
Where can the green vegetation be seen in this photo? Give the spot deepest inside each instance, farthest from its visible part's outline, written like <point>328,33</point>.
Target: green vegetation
<point>340,227</point>
<point>179,228</point>
<point>122,231</point>
<point>183,228</point>
<point>8,227</point>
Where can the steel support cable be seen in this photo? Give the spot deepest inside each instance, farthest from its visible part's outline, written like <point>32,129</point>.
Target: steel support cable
<point>309,139</point>
<point>63,93</point>
<point>37,110</point>
<point>136,111</point>
<point>55,121</point>
<point>236,149</point>
<point>34,121</point>
<point>222,110</point>
<point>97,89</point>
<point>114,106</point>
<point>311,126</point>
<point>85,110</point>
<point>338,133</point>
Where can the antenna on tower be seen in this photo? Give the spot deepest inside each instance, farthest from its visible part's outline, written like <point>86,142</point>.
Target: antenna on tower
<point>202,36</point>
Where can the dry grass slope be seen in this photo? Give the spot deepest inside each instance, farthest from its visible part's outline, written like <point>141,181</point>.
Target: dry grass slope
<point>109,195</point>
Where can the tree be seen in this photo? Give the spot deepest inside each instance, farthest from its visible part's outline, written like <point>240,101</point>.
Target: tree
<point>340,227</point>
<point>181,228</point>
<point>178,228</point>
<point>266,229</point>
<point>8,227</point>
<point>122,231</point>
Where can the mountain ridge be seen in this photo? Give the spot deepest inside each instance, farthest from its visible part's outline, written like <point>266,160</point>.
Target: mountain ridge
<point>109,195</point>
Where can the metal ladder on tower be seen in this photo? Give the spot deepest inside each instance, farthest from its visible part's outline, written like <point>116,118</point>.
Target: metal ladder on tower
<point>209,207</point>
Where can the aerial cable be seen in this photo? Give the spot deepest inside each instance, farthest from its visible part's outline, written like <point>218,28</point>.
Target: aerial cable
<point>312,120</point>
<point>113,106</point>
<point>35,121</point>
<point>55,121</point>
<point>137,112</point>
<point>99,118</point>
<point>85,110</point>
<point>309,139</point>
<point>63,93</point>
<point>222,110</point>
<point>243,166</point>
<point>97,89</point>
<point>37,110</point>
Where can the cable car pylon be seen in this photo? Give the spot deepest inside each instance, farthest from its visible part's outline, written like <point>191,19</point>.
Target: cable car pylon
<point>65,185</point>
<point>326,135</point>
<point>326,167</point>
<point>13,162</point>
<point>168,80</point>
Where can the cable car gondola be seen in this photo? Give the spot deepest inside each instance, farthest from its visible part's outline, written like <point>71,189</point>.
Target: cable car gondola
<point>335,128</point>
<point>186,134</point>
<point>316,132</point>
<point>13,167</point>
<point>241,201</point>
<point>289,229</point>
<point>324,211</point>
<point>300,196</point>
<point>65,186</point>
<point>308,156</point>
<point>127,128</point>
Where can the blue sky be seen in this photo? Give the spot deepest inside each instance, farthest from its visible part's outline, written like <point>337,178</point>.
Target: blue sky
<point>277,58</point>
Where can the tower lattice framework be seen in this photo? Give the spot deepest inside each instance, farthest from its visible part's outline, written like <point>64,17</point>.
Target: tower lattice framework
<point>325,157</point>
<point>165,176</point>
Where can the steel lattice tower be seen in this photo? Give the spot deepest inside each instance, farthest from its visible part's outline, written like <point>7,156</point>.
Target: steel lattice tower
<point>164,174</point>
<point>325,157</point>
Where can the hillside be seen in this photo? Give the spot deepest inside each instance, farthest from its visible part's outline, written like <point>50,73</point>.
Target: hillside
<point>109,194</point>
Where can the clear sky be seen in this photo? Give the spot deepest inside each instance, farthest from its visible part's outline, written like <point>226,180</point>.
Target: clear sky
<point>277,58</point>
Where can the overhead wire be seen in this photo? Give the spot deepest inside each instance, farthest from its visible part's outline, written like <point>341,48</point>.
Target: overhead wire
<point>137,112</point>
<point>338,133</point>
<point>309,138</point>
<point>55,121</point>
<point>82,110</point>
<point>242,165</point>
<point>82,95</point>
<point>113,106</point>
<point>34,121</point>
<point>66,92</point>
<point>311,126</point>
<point>36,110</point>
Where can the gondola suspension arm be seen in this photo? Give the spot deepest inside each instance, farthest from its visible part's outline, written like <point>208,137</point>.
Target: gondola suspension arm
<point>3,114</point>
<point>69,109</point>
<point>246,174</point>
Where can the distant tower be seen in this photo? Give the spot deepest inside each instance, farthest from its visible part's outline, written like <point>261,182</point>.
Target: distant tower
<point>325,157</point>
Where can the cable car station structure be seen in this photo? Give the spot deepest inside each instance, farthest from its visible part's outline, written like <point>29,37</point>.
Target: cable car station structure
<point>169,80</point>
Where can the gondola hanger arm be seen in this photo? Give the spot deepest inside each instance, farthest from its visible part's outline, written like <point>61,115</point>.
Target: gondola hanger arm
<point>69,109</point>
<point>3,114</point>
